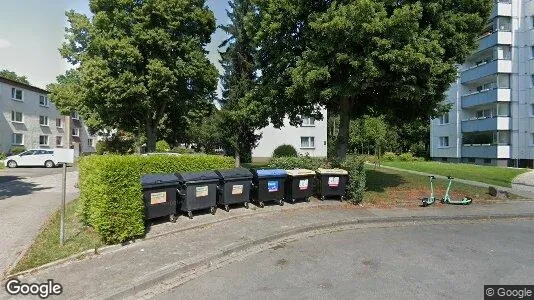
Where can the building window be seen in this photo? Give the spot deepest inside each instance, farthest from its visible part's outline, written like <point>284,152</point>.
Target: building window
<point>59,141</point>
<point>444,159</point>
<point>75,131</point>
<point>308,121</point>
<point>17,139</point>
<point>307,142</point>
<point>16,94</point>
<point>43,120</point>
<point>532,139</point>
<point>532,110</point>
<point>444,119</point>
<point>16,117</point>
<point>532,80</point>
<point>471,160</point>
<point>444,141</point>
<point>59,123</point>
<point>531,51</point>
<point>75,116</point>
<point>43,140</point>
<point>43,101</point>
<point>89,142</point>
<point>487,161</point>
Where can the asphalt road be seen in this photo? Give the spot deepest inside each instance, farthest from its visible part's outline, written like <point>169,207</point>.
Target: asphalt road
<point>412,262</point>
<point>7,175</point>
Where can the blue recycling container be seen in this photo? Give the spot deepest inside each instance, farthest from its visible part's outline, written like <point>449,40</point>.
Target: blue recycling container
<point>268,185</point>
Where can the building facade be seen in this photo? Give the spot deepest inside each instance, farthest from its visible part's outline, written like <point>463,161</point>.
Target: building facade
<point>308,139</point>
<point>29,119</point>
<point>492,116</point>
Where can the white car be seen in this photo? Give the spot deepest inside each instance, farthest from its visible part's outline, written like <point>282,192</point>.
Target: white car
<point>32,158</point>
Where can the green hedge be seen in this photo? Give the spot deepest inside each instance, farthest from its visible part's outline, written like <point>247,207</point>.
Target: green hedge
<point>301,162</point>
<point>356,167</point>
<point>111,192</point>
<point>285,151</point>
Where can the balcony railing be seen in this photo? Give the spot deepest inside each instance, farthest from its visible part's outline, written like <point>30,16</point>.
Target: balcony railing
<point>502,8</point>
<point>486,124</point>
<point>486,69</point>
<point>494,38</point>
<point>486,151</point>
<point>486,97</point>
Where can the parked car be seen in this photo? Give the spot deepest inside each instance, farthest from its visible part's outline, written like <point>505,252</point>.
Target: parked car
<point>32,158</point>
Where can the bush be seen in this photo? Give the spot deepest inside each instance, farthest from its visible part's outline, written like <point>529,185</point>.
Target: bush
<point>2,156</point>
<point>182,150</point>
<point>17,150</point>
<point>356,186</point>
<point>407,157</point>
<point>162,146</point>
<point>111,193</point>
<point>300,162</point>
<point>285,151</point>
<point>116,144</point>
<point>389,156</point>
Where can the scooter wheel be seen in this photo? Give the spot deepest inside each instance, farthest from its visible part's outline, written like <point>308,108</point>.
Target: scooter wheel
<point>190,214</point>
<point>246,205</point>
<point>227,208</point>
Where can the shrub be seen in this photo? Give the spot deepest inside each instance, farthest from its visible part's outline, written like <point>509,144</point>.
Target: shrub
<point>389,156</point>
<point>285,151</point>
<point>300,162</point>
<point>407,157</point>
<point>356,186</point>
<point>17,150</point>
<point>2,156</point>
<point>162,146</point>
<point>116,144</point>
<point>182,150</point>
<point>111,193</point>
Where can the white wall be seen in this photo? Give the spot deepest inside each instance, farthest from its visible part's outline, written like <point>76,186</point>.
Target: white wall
<point>272,138</point>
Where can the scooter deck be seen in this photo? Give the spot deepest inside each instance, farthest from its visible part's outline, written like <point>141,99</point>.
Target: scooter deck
<point>428,201</point>
<point>467,201</point>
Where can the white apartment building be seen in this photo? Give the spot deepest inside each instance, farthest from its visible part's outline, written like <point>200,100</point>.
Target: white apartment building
<point>29,119</point>
<point>492,116</point>
<point>308,139</point>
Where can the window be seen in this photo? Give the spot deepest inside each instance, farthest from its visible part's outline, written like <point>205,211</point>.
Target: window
<point>59,123</point>
<point>487,161</point>
<point>89,142</point>
<point>75,116</point>
<point>43,140</point>
<point>308,121</point>
<point>444,119</point>
<point>531,51</point>
<point>532,139</point>
<point>59,141</point>
<point>43,101</point>
<point>444,159</point>
<point>307,142</point>
<point>532,80</point>
<point>443,141</point>
<point>16,117</point>
<point>471,160</point>
<point>75,131</point>
<point>43,120</point>
<point>532,110</point>
<point>16,94</point>
<point>17,139</point>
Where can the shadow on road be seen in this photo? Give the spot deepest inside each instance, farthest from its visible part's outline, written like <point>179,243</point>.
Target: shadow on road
<point>15,186</point>
<point>378,181</point>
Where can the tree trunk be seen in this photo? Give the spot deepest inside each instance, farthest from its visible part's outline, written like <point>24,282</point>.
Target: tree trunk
<point>150,136</point>
<point>344,124</point>
<point>237,157</point>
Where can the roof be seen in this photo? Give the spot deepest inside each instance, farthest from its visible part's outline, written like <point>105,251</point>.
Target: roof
<point>22,85</point>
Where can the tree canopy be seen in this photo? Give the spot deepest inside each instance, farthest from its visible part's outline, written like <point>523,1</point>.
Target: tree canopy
<point>13,76</point>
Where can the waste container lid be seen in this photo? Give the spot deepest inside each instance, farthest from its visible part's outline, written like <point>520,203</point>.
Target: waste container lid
<point>234,173</point>
<point>300,172</point>
<point>198,176</point>
<point>264,173</point>
<point>155,179</point>
<point>332,171</point>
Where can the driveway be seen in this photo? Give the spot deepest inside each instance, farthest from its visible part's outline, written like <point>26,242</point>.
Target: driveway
<point>524,182</point>
<point>7,174</point>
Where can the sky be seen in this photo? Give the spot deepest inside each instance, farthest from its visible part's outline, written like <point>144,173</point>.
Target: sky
<point>31,32</point>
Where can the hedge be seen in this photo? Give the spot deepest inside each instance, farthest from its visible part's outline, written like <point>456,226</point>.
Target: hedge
<point>300,162</point>
<point>111,193</point>
<point>285,151</point>
<point>357,178</point>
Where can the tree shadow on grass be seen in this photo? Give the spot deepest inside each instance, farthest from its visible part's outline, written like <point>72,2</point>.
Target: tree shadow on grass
<point>378,181</point>
<point>17,187</point>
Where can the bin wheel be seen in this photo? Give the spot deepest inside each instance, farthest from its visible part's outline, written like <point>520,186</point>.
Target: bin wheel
<point>322,198</point>
<point>213,210</point>
<point>190,214</point>
<point>293,201</point>
<point>172,218</point>
<point>307,199</point>
<point>246,205</point>
<point>281,202</point>
<point>262,205</point>
<point>342,198</point>
<point>227,208</point>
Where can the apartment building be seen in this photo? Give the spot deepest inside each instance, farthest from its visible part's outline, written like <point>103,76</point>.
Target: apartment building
<point>310,138</point>
<point>492,117</point>
<point>30,120</point>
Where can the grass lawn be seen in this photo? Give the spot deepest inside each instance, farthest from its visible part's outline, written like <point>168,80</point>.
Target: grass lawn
<point>491,175</point>
<point>390,188</point>
<point>46,247</point>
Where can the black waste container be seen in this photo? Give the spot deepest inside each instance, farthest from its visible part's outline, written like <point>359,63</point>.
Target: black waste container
<point>268,185</point>
<point>299,184</point>
<point>234,187</point>
<point>198,191</point>
<point>159,195</point>
<point>332,183</point>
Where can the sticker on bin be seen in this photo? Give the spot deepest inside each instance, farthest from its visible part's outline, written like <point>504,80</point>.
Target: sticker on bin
<point>237,189</point>
<point>157,198</point>
<point>202,191</point>
<point>272,186</point>
<point>333,181</point>
<point>303,184</point>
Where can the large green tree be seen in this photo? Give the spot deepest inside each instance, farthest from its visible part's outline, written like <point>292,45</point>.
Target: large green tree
<point>395,58</point>
<point>14,76</point>
<point>141,64</point>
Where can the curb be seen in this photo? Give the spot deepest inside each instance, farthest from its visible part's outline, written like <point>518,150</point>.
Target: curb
<point>219,260</point>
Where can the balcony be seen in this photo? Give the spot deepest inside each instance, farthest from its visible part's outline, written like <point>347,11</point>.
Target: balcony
<point>494,39</point>
<point>487,69</point>
<point>486,97</point>
<point>486,151</point>
<point>501,9</point>
<point>487,124</point>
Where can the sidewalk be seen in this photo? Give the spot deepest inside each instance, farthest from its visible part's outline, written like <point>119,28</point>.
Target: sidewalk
<point>524,182</point>
<point>164,260</point>
<point>25,205</point>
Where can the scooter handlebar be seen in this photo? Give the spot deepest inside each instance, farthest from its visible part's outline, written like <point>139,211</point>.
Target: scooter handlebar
<point>450,177</point>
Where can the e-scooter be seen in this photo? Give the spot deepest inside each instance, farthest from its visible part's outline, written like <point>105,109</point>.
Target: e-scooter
<point>447,198</point>
<point>430,200</point>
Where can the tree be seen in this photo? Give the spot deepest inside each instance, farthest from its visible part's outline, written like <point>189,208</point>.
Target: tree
<point>242,112</point>
<point>13,76</point>
<point>395,58</point>
<point>142,64</point>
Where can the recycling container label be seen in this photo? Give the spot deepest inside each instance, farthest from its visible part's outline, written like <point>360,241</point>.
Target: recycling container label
<point>202,191</point>
<point>272,186</point>
<point>237,189</point>
<point>303,184</point>
<point>157,198</point>
<point>333,181</point>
